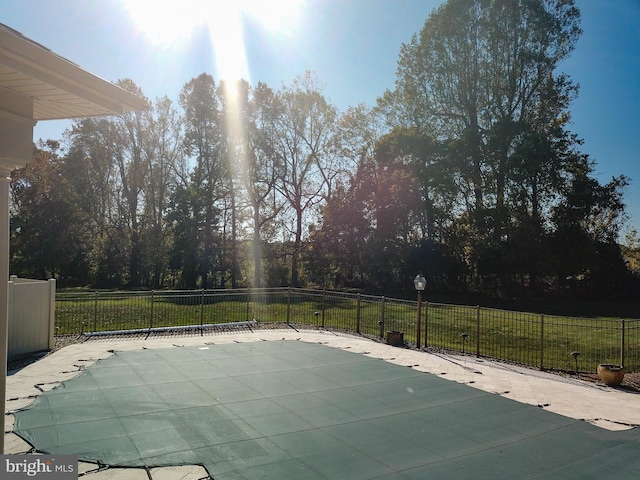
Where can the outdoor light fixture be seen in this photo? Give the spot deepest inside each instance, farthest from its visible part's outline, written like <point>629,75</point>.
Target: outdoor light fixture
<point>420,283</point>
<point>463,336</point>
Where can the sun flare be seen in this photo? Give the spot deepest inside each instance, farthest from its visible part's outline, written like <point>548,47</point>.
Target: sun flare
<point>170,22</point>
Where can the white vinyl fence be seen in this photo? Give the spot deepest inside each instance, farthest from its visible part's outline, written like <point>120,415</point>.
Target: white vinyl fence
<point>31,315</point>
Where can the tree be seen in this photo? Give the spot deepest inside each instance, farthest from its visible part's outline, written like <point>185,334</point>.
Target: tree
<point>481,80</point>
<point>125,140</point>
<point>112,151</point>
<point>163,151</point>
<point>428,212</point>
<point>339,252</point>
<point>260,170</point>
<point>125,169</point>
<point>304,143</point>
<point>93,176</point>
<point>631,251</point>
<point>371,223</point>
<point>235,116</point>
<point>203,142</point>
<point>475,77</point>
<point>49,234</point>
<point>585,250</point>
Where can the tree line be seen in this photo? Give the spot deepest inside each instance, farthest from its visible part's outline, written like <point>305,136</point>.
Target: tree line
<point>466,171</point>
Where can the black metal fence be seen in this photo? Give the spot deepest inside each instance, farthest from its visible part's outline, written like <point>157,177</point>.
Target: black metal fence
<point>543,341</point>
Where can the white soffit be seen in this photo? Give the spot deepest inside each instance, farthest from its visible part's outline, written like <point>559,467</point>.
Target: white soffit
<point>59,88</point>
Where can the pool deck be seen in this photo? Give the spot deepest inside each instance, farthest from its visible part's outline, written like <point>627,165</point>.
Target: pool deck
<point>602,406</point>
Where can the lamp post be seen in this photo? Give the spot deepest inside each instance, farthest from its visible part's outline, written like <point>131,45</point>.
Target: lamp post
<point>419,282</point>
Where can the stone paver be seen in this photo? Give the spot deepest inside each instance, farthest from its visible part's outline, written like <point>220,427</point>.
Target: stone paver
<point>118,474</point>
<point>190,472</point>
<point>13,444</point>
<point>602,406</point>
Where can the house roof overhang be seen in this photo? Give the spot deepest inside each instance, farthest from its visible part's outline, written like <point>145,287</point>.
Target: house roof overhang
<point>37,84</point>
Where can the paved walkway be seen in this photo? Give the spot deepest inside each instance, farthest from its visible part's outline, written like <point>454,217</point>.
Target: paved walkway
<point>602,406</point>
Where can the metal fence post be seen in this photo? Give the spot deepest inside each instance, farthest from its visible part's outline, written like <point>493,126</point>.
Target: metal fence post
<point>52,313</point>
<point>419,319</point>
<point>542,341</point>
<point>358,313</point>
<point>426,324</point>
<point>288,305</point>
<point>248,303</point>
<point>622,342</point>
<point>381,322</point>
<point>323,298</point>
<point>151,317</point>
<point>478,331</point>
<point>95,312</point>
<point>201,311</point>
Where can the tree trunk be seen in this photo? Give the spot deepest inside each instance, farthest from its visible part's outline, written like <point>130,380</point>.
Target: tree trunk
<point>257,253</point>
<point>295,258</point>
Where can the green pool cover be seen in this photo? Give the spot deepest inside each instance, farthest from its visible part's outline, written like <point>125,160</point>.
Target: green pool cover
<point>294,410</point>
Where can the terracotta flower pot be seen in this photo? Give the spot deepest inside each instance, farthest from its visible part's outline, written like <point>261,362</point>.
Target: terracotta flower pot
<point>610,375</point>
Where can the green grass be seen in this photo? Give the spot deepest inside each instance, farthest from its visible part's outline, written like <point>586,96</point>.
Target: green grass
<point>521,337</point>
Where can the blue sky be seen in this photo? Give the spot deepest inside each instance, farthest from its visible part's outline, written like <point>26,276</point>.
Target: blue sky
<point>352,46</point>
